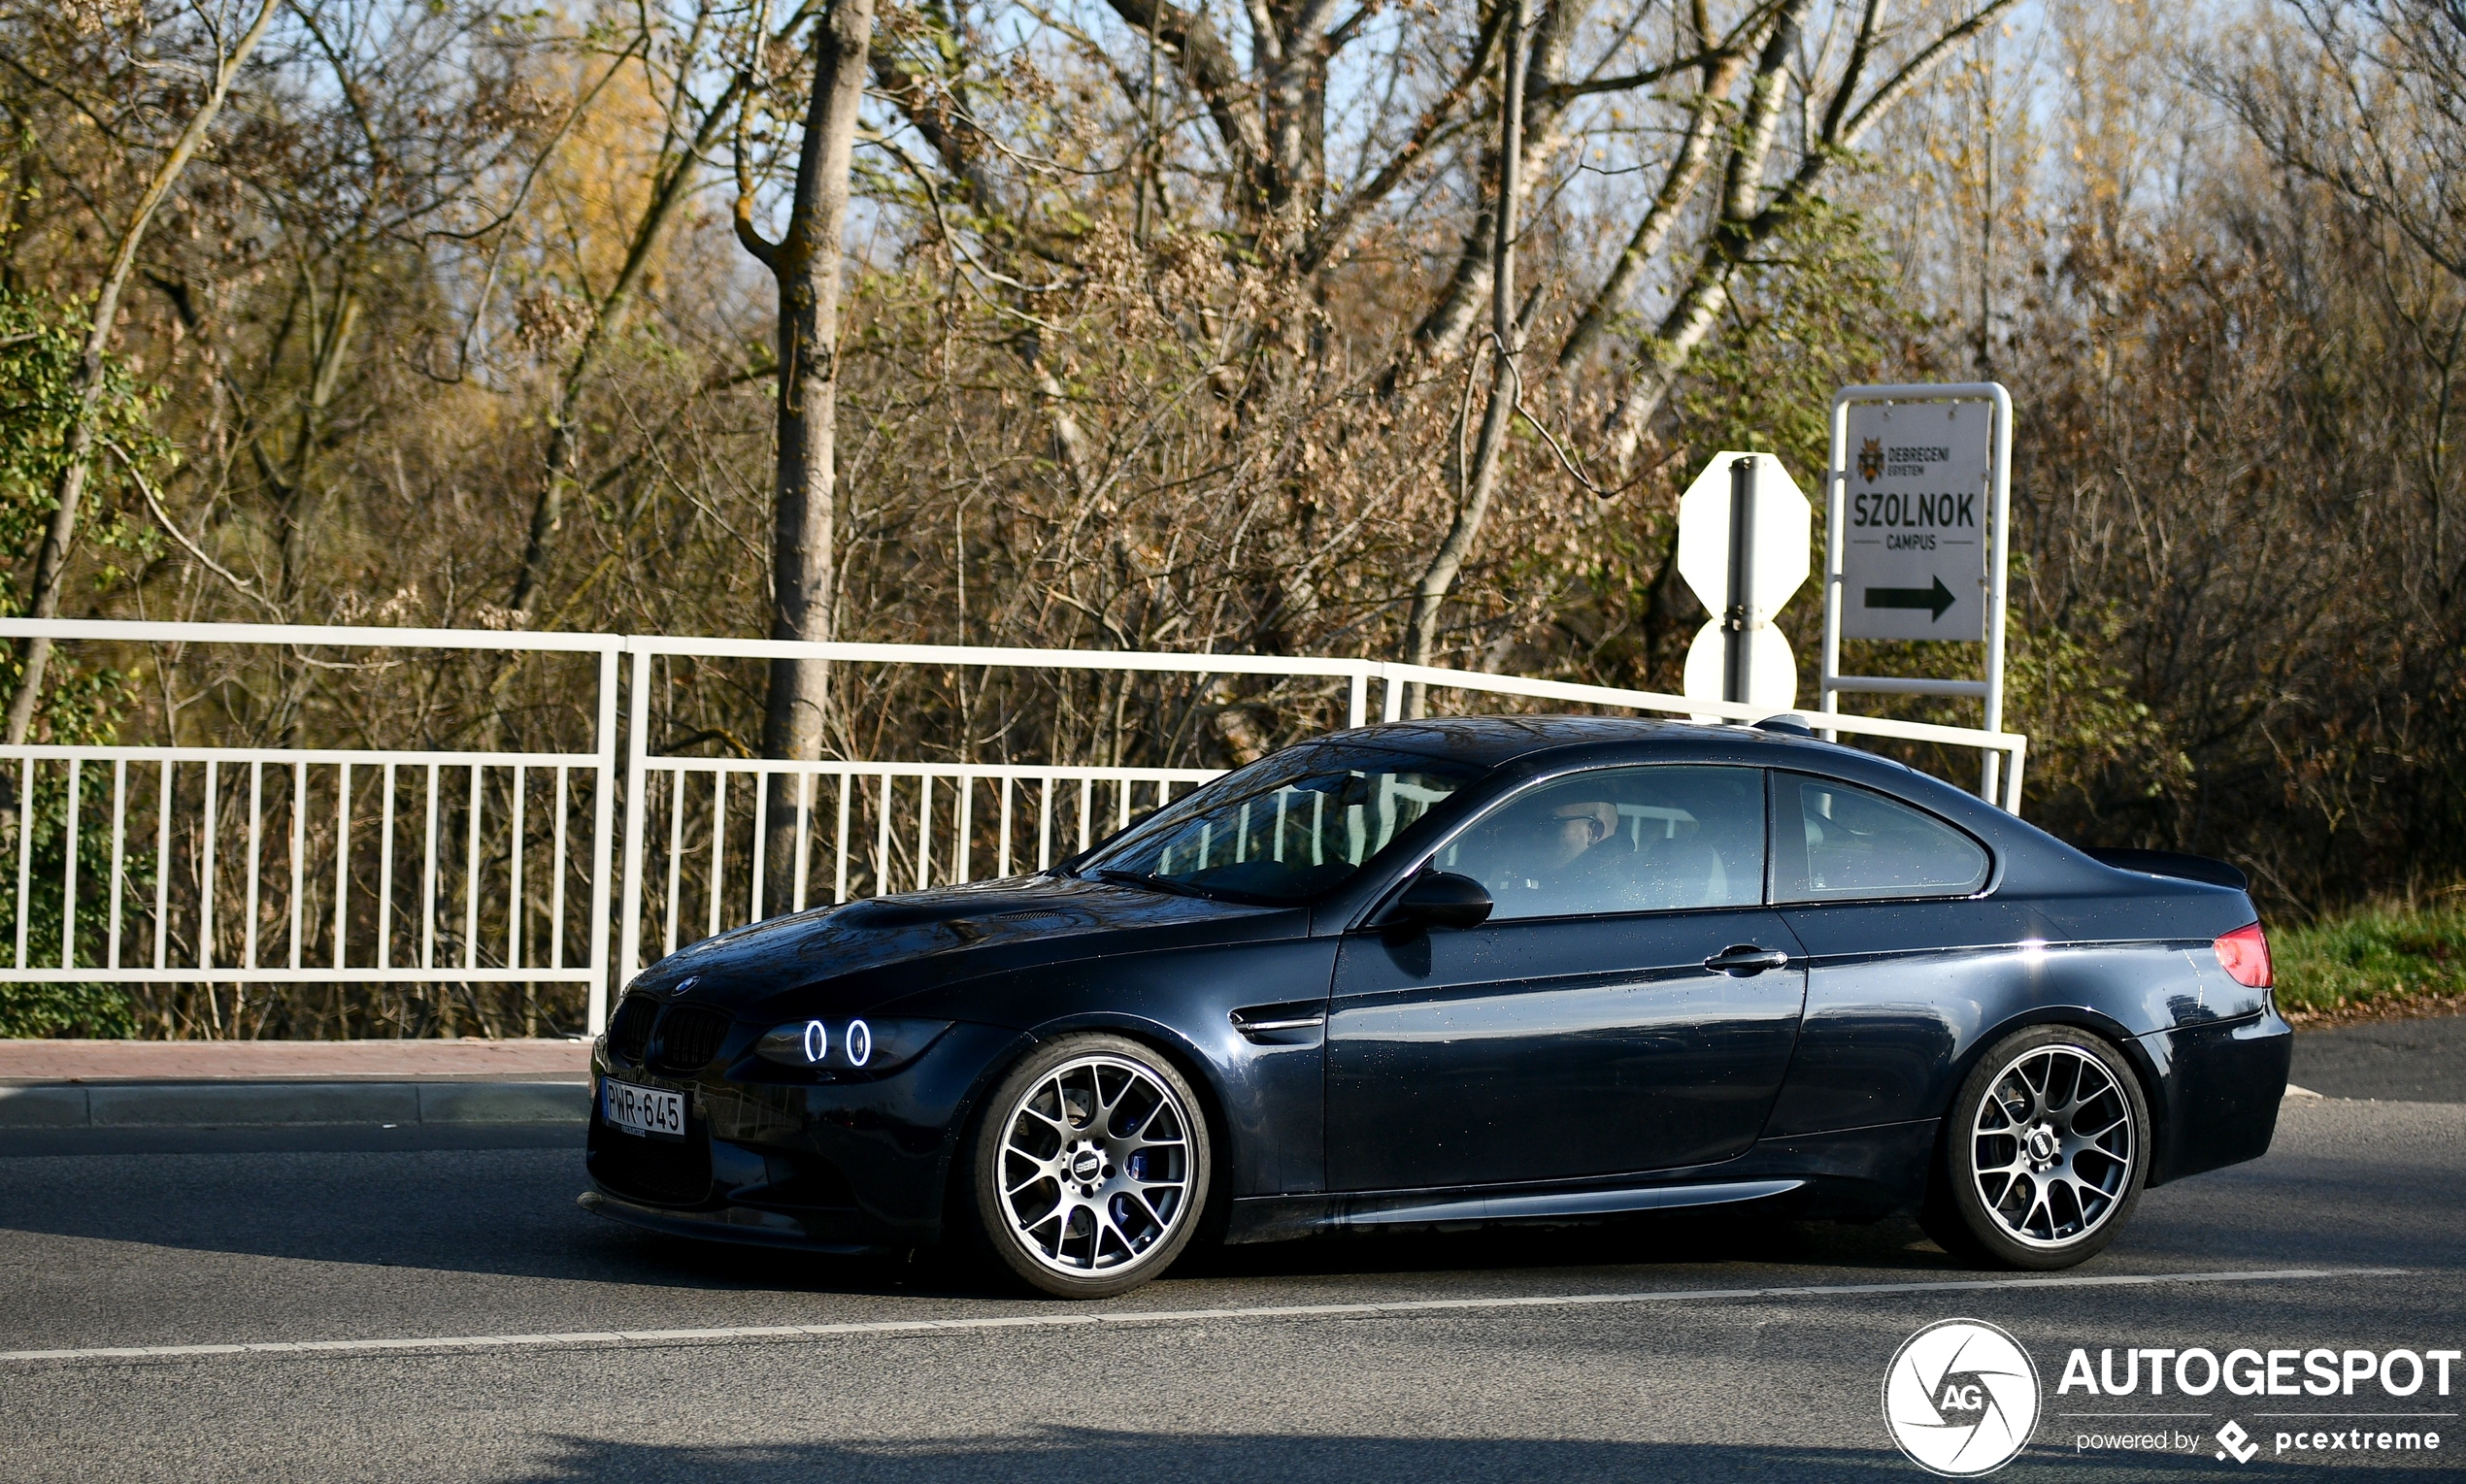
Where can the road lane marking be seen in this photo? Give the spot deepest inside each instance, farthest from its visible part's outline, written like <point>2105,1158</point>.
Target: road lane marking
<point>1117,1318</point>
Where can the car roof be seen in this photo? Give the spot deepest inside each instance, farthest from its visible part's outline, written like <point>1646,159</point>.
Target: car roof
<point>1536,745</point>
<point>1488,742</point>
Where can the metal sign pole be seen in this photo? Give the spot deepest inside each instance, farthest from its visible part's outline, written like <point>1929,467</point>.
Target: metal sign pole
<point>1995,574</point>
<point>1737,617</point>
<point>1836,492</point>
<point>1989,689</point>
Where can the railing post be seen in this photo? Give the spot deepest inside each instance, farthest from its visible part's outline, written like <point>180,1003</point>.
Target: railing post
<point>603,819</point>
<point>637,742</point>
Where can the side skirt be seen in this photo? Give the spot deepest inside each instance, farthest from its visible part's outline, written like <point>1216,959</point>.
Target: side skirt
<point>1858,1174</point>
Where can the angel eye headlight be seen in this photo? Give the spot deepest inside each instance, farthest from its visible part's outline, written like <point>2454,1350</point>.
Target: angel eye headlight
<point>867,1043</point>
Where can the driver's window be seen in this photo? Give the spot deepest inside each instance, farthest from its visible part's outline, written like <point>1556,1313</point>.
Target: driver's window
<point>1620,840</point>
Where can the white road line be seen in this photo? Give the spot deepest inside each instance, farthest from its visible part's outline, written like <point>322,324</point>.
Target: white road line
<point>601,1338</point>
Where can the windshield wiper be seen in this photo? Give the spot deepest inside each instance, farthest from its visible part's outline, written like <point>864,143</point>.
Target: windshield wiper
<point>1165,884</point>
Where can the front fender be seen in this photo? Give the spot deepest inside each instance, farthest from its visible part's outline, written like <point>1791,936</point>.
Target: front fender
<point>1266,1102</point>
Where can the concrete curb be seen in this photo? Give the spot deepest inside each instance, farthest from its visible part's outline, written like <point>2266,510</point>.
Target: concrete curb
<point>239,1105</point>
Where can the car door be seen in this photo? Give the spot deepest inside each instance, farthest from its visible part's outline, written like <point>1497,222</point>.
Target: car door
<point>1630,1007</point>
<point>1885,896</point>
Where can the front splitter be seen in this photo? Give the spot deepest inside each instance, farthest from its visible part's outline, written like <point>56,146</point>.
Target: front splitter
<point>738,1223</point>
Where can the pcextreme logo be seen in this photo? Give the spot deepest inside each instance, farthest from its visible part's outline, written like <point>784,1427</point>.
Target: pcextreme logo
<point>1961,1397</point>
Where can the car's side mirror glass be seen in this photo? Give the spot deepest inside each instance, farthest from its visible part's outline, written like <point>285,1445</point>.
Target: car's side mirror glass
<point>1439,899</point>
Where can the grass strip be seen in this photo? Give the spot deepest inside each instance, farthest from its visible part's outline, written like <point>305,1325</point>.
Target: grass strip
<point>2382,957</point>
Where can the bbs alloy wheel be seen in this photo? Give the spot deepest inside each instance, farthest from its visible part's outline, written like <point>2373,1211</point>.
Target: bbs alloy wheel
<point>2045,1152</point>
<point>1091,1167</point>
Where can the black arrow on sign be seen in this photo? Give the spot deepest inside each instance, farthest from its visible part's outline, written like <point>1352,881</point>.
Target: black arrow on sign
<point>1937,598</point>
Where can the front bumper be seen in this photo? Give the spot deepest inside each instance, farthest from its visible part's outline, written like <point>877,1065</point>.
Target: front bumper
<point>835,1166</point>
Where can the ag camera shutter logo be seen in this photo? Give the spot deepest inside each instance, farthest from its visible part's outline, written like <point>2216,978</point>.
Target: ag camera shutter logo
<point>1961,1397</point>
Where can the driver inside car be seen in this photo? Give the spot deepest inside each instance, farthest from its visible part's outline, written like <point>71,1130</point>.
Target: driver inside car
<point>1572,851</point>
<point>1552,855</point>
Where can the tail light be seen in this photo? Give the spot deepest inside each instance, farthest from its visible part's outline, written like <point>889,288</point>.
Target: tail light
<point>2245,956</point>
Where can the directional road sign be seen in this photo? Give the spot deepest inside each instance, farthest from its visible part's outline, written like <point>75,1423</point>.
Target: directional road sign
<point>1915,520</point>
<point>1744,537</point>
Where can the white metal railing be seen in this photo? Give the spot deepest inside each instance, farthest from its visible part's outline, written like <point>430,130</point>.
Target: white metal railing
<point>275,865</point>
<point>852,829</point>
<point>293,864</point>
<point>287,867</point>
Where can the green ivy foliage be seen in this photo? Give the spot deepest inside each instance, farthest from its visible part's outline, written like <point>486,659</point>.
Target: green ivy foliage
<point>40,344</point>
<point>1819,310</point>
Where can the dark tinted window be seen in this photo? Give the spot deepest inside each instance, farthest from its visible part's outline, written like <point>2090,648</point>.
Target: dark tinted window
<point>1833,841</point>
<point>1620,840</point>
<point>1286,829</point>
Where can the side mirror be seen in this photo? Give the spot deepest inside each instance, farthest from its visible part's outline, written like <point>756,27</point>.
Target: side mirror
<point>1439,899</point>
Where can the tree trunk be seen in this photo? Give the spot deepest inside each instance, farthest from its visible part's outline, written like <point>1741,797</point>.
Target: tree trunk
<point>807,262</point>
<point>1476,481</point>
<point>1663,356</point>
<point>807,265</point>
<point>60,540</point>
<point>1540,134</point>
<point>1677,186</point>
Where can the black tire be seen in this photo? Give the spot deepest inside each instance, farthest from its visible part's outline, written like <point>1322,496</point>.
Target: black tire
<point>2065,1147</point>
<point>1089,1170</point>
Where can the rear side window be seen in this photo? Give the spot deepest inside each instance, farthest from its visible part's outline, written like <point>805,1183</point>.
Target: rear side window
<point>1835,841</point>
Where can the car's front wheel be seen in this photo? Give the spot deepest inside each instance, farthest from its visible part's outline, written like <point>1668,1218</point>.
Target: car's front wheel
<point>2044,1153</point>
<point>1090,1167</point>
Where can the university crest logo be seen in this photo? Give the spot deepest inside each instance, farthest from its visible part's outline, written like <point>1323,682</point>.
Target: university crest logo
<point>1871,460</point>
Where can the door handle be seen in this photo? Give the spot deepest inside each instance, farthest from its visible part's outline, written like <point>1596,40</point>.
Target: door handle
<point>1745,959</point>
<point>1268,1020</point>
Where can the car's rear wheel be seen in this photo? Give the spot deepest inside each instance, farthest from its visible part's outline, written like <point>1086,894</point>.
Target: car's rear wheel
<point>1090,1167</point>
<point>2044,1152</point>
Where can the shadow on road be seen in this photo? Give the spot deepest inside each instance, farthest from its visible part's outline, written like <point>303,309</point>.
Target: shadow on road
<point>2350,1183</point>
<point>464,1206</point>
<point>1081,1455</point>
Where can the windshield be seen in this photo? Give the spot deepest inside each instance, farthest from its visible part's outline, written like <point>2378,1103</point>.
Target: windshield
<point>1286,829</point>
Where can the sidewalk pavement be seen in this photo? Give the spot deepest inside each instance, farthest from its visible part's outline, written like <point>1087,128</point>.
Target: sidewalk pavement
<point>72,1085</point>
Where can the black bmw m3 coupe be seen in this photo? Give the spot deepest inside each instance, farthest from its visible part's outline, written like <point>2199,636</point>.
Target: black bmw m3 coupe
<point>1478,969</point>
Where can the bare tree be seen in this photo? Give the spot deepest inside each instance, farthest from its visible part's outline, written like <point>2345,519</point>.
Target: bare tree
<point>807,264</point>
<point>1751,211</point>
<point>2369,99</point>
<point>60,540</point>
<point>1477,473</point>
<point>689,128</point>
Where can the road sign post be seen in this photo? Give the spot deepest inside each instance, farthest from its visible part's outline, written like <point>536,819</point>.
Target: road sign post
<point>1918,512</point>
<point>1744,537</point>
<point>1737,654</point>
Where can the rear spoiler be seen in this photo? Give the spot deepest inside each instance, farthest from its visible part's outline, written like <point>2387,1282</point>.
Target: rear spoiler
<point>2174,863</point>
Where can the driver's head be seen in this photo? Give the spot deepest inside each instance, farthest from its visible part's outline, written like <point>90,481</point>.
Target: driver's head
<point>1575,826</point>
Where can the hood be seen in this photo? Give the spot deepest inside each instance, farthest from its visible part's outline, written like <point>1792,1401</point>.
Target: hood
<point>859,957</point>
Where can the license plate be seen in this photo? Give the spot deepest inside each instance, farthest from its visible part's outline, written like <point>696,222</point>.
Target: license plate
<point>643,1109</point>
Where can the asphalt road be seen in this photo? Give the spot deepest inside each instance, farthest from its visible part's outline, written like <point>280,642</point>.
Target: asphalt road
<point>2422,1061</point>
<point>1644,1350</point>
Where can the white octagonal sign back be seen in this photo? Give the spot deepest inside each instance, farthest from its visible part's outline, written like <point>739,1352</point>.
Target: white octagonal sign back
<point>1784,527</point>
